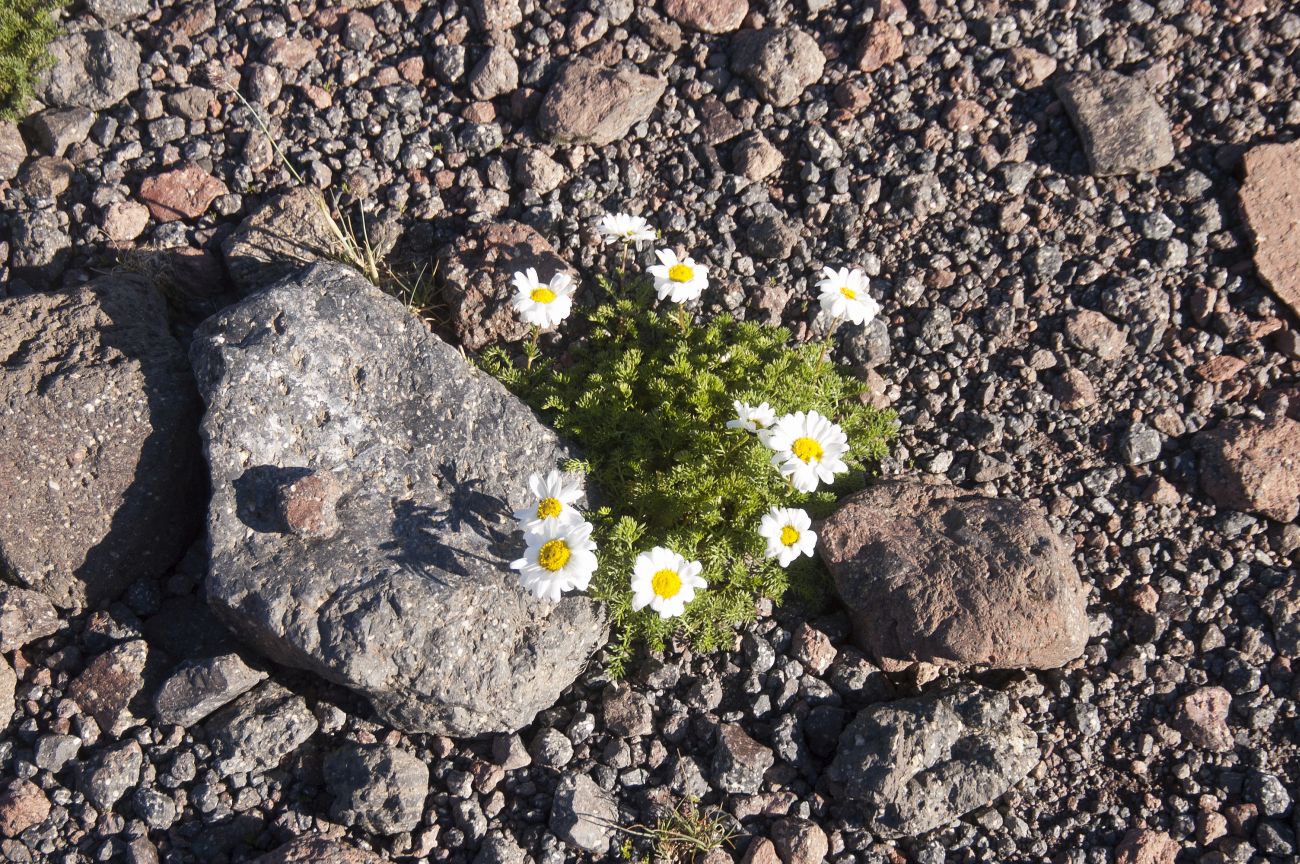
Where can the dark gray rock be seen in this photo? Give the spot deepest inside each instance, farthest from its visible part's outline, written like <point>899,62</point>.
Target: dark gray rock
<point>94,69</point>
<point>55,751</point>
<point>97,406</point>
<point>597,105</point>
<point>770,236</point>
<point>412,603</point>
<point>111,773</point>
<point>259,729</point>
<point>114,12</point>
<point>1123,129</point>
<point>157,809</point>
<point>1140,444</point>
<point>495,74</point>
<point>41,245</point>
<point>8,683</point>
<point>376,787</point>
<point>933,574</point>
<point>315,849</point>
<point>197,689</point>
<point>56,130</point>
<point>583,814</point>
<point>25,616</point>
<point>551,748</point>
<point>13,150</point>
<point>739,762</point>
<point>917,764</point>
<point>1283,607</point>
<point>781,62</point>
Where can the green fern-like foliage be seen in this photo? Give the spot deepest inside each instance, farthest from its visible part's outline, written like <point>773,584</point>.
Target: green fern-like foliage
<point>26,28</point>
<point>646,396</point>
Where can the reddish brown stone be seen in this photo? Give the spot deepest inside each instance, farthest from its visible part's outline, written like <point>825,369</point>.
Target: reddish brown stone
<point>800,841</point>
<point>883,45</point>
<point>761,851</point>
<point>109,683</point>
<point>964,115</point>
<point>1144,846</point>
<point>307,505</point>
<point>708,16</point>
<point>183,193</point>
<point>1253,465</point>
<point>932,574</point>
<point>1270,197</point>
<point>289,53</point>
<point>813,649</point>
<point>22,805</point>
<point>1203,719</point>
<point>1220,368</point>
<point>318,850</point>
<point>475,275</point>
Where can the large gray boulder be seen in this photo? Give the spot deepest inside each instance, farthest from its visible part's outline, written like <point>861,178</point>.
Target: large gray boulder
<point>1123,128</point>
<point>914,765</point>
<point>100,481</point>
<point>932,574</point>
<point>411,602</point>
<point>590,103</point>
<point>94,69</point>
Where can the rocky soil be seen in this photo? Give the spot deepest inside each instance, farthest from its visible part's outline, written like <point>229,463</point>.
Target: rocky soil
<point>239,527</point>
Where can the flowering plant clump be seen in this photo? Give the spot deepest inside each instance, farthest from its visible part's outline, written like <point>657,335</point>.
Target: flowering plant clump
<point>710,447</point>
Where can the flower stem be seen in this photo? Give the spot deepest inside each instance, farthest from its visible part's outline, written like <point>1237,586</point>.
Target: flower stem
<point>683,320</point>
<point>531,351</point>
<point>826,345</point>
<point>622,267</point>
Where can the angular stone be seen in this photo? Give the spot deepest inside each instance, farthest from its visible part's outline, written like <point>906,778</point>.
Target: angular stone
<point>1122,127</point>
<point>56,130</point>
<point>13,150</point>
<point>626,712</point>
<point>882,46</point>
<point>596,105</point>
<point>307,504</point>
<point>258,730</point>
<point>708,16</point>
<point>112,773</point>
<point>98,447</point>
<point>1253,465</point>
<point>475,276</point>
<point>114,12</point>
<point>318,850</point>
<point>1283,607</point>
<point>800,841</point>
<point>496,15</point>
<point>1203,719</point>
<point>124,221</point>
<point>781,62</point>
<point>197,689</point>
<point>1144,846</point>
<point>183,193</point>
<point>583,814</point>
<point>8,683</point>
<point>93,69</point>
<point>739,762</point>
<point>917,764</point>
<point>105,688</point>
<point>25,616</point>
<point>754,157</point>
<point>286,232</point>
<point>376,787</point>
<point>496,74</point>
<point>22,805</point>
<point>936,575</point>
<point>41,245</point>
<point>1095,333</point>
<point>412,603</point>
<point>55,751</point>
<point>1270,199</point>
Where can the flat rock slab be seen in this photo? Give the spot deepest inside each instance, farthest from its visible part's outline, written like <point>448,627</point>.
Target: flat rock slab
<point>411,602</point>
<point>1253,466</point>
<point>475,273</point>
<point>318,850</point>
<point>182,193</point>
<point>100,480</point>
<point>1123,129</point>
<point>1270,197</point>
<point>934,574</point>
<point>594,104</point>
<point>914,765</point>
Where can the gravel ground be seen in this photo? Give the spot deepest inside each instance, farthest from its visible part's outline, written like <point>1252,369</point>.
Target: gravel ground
<point>954,175</point>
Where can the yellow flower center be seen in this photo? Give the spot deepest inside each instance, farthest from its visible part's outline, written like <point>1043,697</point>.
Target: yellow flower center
<point>681,273</point>
<point>849,292</point>
<point>549,507</point>
<point>666,583</point>
<point>542,294</point>
<point>789,535</point>
<point>807,449</point>
<point>553,555</point>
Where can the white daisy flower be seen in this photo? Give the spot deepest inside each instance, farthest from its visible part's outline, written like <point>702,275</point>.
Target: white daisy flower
<point>542,304</point>
<point>555,496</point>
<point>678,279</point>
<point>846,295</point>
<point>559,557</point>
<point>626,228</point>
<point>665,581</point>
<point>752,418</point>
<point>788,532</point>
<point>808,449</point>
